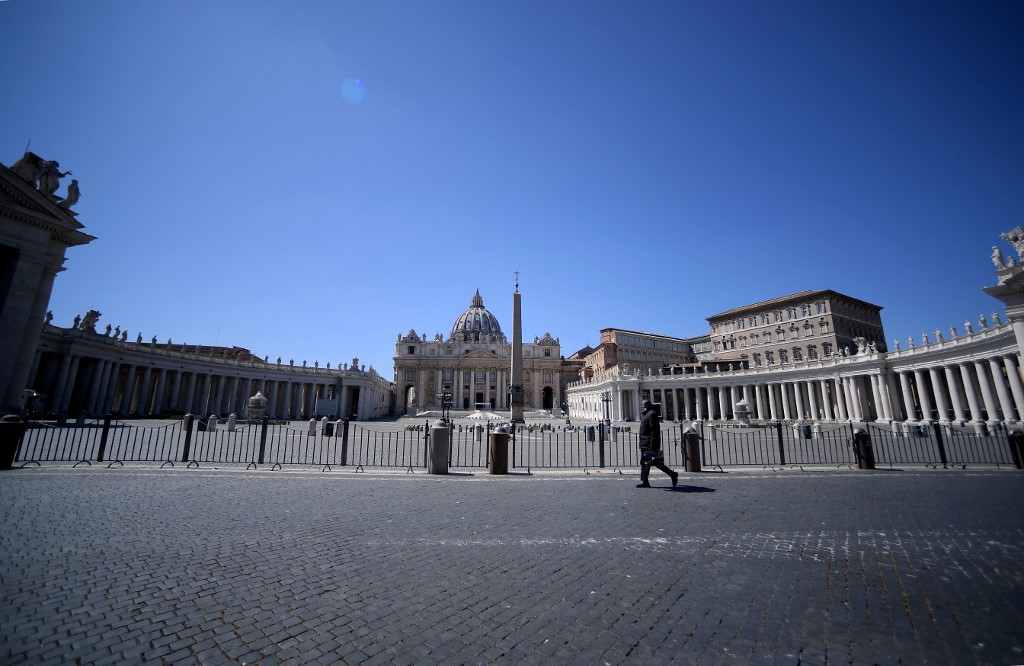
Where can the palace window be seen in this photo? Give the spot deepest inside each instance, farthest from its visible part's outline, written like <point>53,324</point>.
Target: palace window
<point>778,315</point>
<point>547,352</point>
<point>821,307</point>
<point>783,356</point>
<point>770,357</point>
<point>754,339</point>
<point>764,319</point>
<point>412,349</point>
<point>812,351</point>
<point>805,310</point>
<point>739,324</point>
<point>767,337</point>
<point>757,360</point>
<point>753,321</point>
<point>808,330</point>
<point>824,327</point>
<point>481,375</point>
<point>827,348</point>
<point>797,354</point>
<point>410,375</point>
<point>791,312</point>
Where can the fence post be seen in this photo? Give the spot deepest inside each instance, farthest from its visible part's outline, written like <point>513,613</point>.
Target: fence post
<point>344,442</point>
<point>264,426</point>
<point>600,447</point>
<point>937,429</point>
<point>782,452</point>
<point>187,422</point>
<point>103,437</point>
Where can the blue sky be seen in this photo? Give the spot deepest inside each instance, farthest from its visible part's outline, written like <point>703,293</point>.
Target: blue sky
<point>308,179</point>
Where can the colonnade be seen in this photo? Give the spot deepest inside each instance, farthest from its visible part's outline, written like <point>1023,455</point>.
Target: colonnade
<point>973,379</point>
<point>75,371</point>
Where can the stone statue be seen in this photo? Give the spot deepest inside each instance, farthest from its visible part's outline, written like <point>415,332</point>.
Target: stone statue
<point>153,341</point>
<point>924,339</point>
<point>124,335</point>
<point>72,196</point>
<point>106,331</point>
<point>89,320</point>
<point>355,362</point>
<point>49,176</point>
<point>997,258</point>
<point>896,344</point>
<point>117,331</point>
<point>938,336</point>
<point>49,317</point>
<point>1016,239</point>
<point>967,328</point>
<point>982,321</point>
<point>995,319</point>
<point>910,342</point>
<point>952,331</point>
<point>78,320</point>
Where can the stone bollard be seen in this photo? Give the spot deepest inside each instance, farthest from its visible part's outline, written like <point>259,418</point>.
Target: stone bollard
<point>862,449</point>
<point>1016,440</point>
<point>232,421</point>
<point>327,427</point>
<point>312,428</point>
<point>691,445</point>
<point>437,451</point>
<point>11,430</point>
<point>499,451</point>
<point>212,425</point>
<point>479,432</point>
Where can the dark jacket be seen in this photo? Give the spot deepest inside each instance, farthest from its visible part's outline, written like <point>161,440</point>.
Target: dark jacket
<point>650,431</point>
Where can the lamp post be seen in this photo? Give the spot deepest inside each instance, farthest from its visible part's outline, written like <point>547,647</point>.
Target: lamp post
<point>446,399</point>
<point>606,398</point>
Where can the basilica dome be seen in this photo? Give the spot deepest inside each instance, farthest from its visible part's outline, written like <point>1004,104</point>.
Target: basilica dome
<point>476,324</point>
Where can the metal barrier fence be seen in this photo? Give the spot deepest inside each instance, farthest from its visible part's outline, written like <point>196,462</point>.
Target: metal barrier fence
<point>194,441</point>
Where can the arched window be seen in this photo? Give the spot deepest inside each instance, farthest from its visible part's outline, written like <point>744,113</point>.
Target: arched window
<point>797,354</point>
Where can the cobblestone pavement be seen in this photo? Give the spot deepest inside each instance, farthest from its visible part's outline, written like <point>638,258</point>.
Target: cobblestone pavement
<point>208,566</point>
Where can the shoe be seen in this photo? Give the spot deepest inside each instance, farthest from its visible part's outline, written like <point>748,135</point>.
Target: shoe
<point>643,485</point>
<point>675,479</point>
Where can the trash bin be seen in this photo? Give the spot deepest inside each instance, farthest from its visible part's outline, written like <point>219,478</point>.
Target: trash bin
<point>805,430</point>
<point>499,451</point>
<point>1016,440</point>
<point>328,428</point>
<point>590,433</point>
<point>11,430</point>
<point>915,431</point>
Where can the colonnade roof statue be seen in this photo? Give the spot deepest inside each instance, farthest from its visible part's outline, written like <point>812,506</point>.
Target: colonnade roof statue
<point>476,324</point>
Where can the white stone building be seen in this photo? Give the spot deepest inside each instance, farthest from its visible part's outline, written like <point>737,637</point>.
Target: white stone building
<point>474,364</point>
<point>969,376</point>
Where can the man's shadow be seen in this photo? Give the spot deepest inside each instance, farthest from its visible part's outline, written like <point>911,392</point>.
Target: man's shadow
<point>683,488</point>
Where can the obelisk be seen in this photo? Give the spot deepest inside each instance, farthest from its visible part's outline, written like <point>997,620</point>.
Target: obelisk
<point>517,389</point>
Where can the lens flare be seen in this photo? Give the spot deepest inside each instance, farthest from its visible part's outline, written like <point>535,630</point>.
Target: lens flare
<point>353,91</point>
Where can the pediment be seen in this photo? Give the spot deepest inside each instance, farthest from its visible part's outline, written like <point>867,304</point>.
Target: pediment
<point>20,201</point>
<point>481,354</point>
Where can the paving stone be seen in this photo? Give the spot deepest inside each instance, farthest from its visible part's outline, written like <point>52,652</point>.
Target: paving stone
<point>279,567</point>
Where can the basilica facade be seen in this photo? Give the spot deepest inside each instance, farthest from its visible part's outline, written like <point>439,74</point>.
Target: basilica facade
<point>473,364</point>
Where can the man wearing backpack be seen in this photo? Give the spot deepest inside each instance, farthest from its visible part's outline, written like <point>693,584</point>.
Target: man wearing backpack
<point>650,445</point>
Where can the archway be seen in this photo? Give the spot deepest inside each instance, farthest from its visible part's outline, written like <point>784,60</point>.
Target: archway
<point>547,398</point>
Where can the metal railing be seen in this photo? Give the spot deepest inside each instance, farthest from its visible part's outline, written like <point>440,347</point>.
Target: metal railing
<point>193,441</point>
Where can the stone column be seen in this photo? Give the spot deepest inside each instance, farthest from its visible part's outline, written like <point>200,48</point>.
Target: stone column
<point>111,390</point>
<point>876,397</point>
<point>812,398</point>
<point>204,400</point>
<point>991,406</point>
<point>1000,390</point>
<point>142,408</point>
<point>21,325</point>
<point>95,395</point>
<point>1016,386</point>
<point>954,394</point>
<point>908,397</point>
<point>69,384</point>
<point>175,403</point>
<point>972,393</point>
<point>128,396</point>
<point>924,396</point>
<point>842,399</point>
<point>773,405</point>
<point>939,395</point>
<point>826,400</point>
<point>161,388</point>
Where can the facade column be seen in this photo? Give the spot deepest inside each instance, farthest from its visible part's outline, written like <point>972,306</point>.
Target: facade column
<point>723,392</point>
<point>954,394</point>
<point>190,394</point>
<point>96,386</point>
<point>1016,385</point>
<point>972,393</point>
<point>908,397</point>
<point>987,395</point>
<point>826,402</point>
<point>230,396</point>
<point>841,399</point>
<point>55,400</point>
<point>924,396</point>
<point>204,401</point>
<point>161,388</point>
<point>939,395</point>
<point>111,391</point>
<point>876,397</point>
<point>892,403</point>
<point>711,403</point>
<point>812,397</point>
<point>69,384</point>
<point>784,400</point>
<point>128,395</point>
<point>173,403</point>
<point>142,408</point>
<point>1000,390</point>
<point>271,397</point>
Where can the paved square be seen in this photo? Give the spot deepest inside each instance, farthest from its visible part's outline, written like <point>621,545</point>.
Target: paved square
<point>232,566</point>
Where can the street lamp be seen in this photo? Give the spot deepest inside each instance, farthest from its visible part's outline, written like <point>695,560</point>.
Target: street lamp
<point>446,399</point>
<point>606,398</point>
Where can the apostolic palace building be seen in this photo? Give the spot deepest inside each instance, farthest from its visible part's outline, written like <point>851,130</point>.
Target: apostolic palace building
<point>810,356</point>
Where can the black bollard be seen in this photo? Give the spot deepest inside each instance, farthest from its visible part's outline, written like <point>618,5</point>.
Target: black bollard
<point>11,430</point>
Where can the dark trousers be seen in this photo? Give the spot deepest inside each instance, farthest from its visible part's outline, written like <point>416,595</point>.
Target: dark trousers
<point>650,459</point>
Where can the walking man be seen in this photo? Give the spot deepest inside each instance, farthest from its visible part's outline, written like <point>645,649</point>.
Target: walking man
<point>650,445</point>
